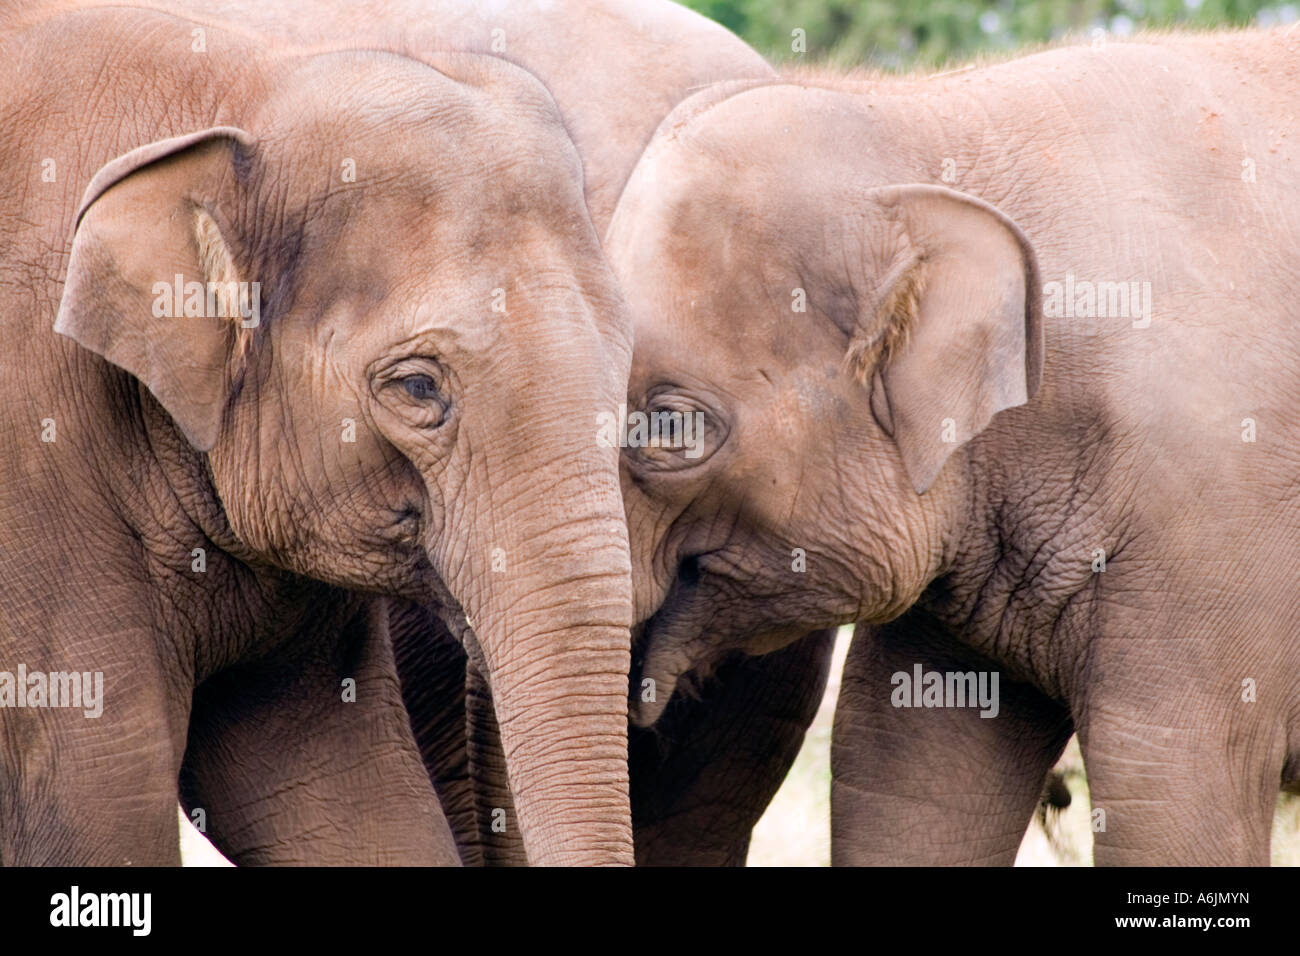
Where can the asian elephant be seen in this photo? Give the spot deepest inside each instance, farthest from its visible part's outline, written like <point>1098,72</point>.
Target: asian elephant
<point>702,776</point>
<point>286,329</point>
<point>1001,363</point>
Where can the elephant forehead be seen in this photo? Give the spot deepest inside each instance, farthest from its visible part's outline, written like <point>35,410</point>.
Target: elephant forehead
<point>446,127</point>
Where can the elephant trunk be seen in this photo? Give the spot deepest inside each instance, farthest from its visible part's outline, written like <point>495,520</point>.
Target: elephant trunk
<point>556,654</point>
<point>564,731</point>
<point>551,616</point>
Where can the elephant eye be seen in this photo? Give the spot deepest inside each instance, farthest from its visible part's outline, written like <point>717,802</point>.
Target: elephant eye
<point>668,427</point>
<point>415,389</point>
<point>673,430</point>
<point>422,388</point>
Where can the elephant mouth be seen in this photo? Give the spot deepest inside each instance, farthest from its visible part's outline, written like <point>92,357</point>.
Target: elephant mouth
<point>688,571</point>
<point>402,530</point>
<point>406,515</point>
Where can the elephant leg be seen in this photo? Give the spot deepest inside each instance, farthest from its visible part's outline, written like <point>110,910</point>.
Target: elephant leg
<point>1183,769</point>
<point>432,666</point>
<point>452,715</point>
<point>80,788</point>
<point>704,774</point>
<point>498,833</point>
<point>933,785</point>
<point>293,764</point>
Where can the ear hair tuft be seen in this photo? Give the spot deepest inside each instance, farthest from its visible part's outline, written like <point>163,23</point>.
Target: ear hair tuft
<point>214,257</point>
<point>220,274</point>
<point>888,331</point>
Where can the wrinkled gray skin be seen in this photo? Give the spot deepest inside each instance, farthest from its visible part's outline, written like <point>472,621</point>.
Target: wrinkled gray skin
<point>702,776</point>
<point>953,460</point>
<point>381,428</point>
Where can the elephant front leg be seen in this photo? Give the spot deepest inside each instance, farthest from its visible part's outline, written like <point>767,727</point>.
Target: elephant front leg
<point>451,712</point>
<point>308,757</point>
<point>917,781</point>
<point>89,781</point>
<point>1184,766</point>
<point>433,669</point>
<point>704,774</point>
<point>498,833</point>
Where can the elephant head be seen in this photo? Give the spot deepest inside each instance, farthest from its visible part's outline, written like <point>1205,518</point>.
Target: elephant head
<point>375,324</point>
<point>831,337</point>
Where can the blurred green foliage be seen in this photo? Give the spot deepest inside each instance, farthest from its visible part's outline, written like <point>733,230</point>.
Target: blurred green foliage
<point>896,34</point>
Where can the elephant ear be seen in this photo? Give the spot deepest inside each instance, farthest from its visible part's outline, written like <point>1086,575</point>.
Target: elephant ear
<point>952,334</point>
<point>144,232</point>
